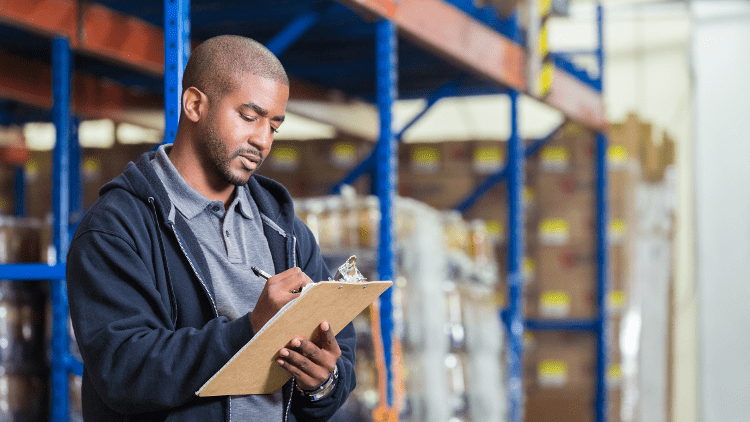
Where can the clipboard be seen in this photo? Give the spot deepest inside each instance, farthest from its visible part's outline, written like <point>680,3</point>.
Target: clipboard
<point>253,369</point>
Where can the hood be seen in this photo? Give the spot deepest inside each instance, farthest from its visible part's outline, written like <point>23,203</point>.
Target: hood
<point>141,181</point>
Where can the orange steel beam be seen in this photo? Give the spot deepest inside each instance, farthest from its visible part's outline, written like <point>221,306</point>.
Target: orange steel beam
<point>450,33</point>
<point>47,17</point>
<point>121,38</point>
<point>31,83</point>
<point>99,31</point>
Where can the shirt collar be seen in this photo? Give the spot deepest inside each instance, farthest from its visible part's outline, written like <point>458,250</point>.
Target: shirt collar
<point>185,198</point>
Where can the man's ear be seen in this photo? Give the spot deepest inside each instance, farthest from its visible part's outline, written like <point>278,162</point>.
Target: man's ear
<point>194,103</point>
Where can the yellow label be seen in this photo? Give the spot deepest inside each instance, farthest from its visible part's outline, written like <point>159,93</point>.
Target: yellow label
<point>545,7</point>
<point>529,268</point>
<point>554,231</point>
<point>528,196</point>
<point>31,169</point>
<point>543,41</point>
<point>614,374</point>
<point>495,228</point>
<point>545,78</point>
<point>617,154</point>
<point>528,339</point>
<point>617,229</point>
<point>91,166</point>
<point>425,159</point>
<point>552,373</point>
<point>555,303</point>
<point>285,158</point>
<point>344,155</point>
<point>555,157</point>
<point>3,204</point>
<point>488,159</point>
<point>616,299</point>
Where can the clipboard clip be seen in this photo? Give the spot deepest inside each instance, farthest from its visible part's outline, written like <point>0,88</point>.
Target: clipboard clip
<point>348,272</point>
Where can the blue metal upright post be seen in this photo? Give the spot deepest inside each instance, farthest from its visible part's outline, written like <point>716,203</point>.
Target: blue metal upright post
<point>516,217</point>
<point>61,82</point>
<point>602,219</point>
<point>516,252</point>
<point>384,182</point>
<point>176,54</point>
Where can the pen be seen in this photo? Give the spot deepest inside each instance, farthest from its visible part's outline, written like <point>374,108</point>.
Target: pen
<point>260,273</point>
<point>265,276</point>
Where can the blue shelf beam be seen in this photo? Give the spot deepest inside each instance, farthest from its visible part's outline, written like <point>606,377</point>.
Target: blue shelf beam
<point>368,164</point>
<point>176,54</point>
<point>490,181</point>
<point>384,182</point>
<point>585,325</point>
<point>61,85</point>
<point>32,272</point>
<point>293,31</point>
<point>447,90</point>
<point>75,366</point>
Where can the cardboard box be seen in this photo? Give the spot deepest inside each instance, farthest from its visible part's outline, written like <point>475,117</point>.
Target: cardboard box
<point>571,405</point>
<point>569,223</point>
<point>560,360</point>
<point>435,158</point>
<point>488,157</point>
<point>560,267</point>
<point>575,301</point>
<point>441,192</point>
<point>555,189</point>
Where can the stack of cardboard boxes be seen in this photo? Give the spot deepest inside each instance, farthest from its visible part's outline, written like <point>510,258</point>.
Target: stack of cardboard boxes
<point>560,367</point>
<point>311,168</point>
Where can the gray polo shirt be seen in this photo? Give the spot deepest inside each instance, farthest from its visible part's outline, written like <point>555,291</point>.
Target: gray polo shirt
<point>232,242</point>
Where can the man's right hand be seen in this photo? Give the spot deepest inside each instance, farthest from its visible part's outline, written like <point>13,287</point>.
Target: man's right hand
<point>277,292</point>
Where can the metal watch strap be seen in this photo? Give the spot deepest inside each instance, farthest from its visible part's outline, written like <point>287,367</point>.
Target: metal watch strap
<point>323,389</point>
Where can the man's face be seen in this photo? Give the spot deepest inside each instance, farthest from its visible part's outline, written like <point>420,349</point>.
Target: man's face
<point>239,128</point>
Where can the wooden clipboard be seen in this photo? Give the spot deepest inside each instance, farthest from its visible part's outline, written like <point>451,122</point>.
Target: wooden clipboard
<point>253,369</point>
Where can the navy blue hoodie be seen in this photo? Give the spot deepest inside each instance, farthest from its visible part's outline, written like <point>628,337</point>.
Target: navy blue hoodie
<point>141,302</point>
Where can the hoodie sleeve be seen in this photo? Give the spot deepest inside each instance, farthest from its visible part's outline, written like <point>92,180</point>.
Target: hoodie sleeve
<point>136,360</point>
<point>311,262</point>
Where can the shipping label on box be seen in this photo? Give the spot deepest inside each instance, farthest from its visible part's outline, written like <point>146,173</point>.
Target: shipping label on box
<point>552,373</point>
<point>285,158</point>
<point>343,155</point>
<point>554,304</point>
<point>488,159</point>
<point>554,231</point>
<point>425,159</point>
<point>554,158</point>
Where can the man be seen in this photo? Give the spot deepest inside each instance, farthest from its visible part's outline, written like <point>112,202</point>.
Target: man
<point>160,287</point>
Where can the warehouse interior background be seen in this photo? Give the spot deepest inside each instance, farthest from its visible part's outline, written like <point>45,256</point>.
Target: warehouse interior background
<point>682,67</point>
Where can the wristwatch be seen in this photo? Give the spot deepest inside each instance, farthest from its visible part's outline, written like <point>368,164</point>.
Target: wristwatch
<point>324,389</point>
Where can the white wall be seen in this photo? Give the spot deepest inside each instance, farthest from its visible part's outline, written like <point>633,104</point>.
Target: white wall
<point>721,65</point>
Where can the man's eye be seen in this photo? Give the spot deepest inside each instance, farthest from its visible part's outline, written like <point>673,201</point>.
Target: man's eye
<point>247,118</point>
<point>274,129</point>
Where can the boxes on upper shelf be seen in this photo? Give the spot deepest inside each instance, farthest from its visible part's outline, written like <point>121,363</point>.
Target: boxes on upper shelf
<point>441,192</point>
<point>434,158</point>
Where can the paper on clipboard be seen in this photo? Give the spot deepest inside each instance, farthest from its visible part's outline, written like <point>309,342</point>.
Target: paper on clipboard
<point>253,369</point>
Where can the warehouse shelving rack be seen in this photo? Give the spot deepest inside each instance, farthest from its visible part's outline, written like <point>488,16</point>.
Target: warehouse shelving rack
<point>129,35</point>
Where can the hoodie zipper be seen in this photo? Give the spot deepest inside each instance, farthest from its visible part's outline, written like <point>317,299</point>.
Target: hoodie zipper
<point>195,271</point>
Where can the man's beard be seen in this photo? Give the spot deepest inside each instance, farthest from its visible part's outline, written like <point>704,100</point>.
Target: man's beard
<point>217,159</point>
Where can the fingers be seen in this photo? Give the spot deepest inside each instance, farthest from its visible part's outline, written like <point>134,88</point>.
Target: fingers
<point>311,361</point>
<point>328,341</point>
<point>306,368</point>
<point>290,281</point>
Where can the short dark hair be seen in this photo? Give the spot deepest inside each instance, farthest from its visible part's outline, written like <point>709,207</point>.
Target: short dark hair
<point>217,64</point>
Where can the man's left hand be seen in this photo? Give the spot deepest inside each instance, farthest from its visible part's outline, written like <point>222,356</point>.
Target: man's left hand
<point>311,361</point>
